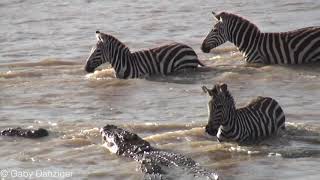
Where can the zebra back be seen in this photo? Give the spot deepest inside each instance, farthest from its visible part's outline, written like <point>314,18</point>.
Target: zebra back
<point>175,57</point>
<point>145,62</point>
<point>263,117</point>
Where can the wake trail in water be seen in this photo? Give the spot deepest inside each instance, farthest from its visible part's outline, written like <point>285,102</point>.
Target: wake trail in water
<point>45,62</point>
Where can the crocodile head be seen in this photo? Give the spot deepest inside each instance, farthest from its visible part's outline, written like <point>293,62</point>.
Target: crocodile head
<point>123,142</point>
<point>27,133</point>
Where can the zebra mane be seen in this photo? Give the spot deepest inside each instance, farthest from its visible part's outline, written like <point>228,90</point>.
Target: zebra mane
<point>229,96</point>
<point>115,40</point>
<point>227,15</point>
<point>217,90</point>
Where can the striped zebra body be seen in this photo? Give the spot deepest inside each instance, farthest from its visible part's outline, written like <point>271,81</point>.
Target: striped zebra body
<point>261,119</point>
<point>161,60</point>
<point>292,47</point>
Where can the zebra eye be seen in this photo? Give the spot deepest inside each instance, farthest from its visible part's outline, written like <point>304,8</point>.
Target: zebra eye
<point>216,31</point>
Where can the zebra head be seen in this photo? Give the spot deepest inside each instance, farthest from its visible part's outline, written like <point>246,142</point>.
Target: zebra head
<point>218,34</point>
<point>217,107</point>
<point>97,56</point>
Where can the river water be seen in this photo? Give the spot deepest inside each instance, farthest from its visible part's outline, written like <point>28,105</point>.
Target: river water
<point>43,47</point>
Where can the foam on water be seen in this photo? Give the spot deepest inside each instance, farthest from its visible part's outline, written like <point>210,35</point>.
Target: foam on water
<point>176,135</point>
<point>105,74</point>
<point>21,74</point>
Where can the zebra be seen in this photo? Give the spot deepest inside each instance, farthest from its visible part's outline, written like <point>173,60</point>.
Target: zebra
<point>293,47</point>
<point>261,118</point>
<point>160,60</point>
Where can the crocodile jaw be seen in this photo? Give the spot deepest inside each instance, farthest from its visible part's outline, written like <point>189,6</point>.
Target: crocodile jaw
<point>108,142</point>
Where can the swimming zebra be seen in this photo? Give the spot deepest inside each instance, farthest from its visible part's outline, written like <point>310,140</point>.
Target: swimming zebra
<point>292,47</point>
<point>161,60</point>
<point>260,119</point>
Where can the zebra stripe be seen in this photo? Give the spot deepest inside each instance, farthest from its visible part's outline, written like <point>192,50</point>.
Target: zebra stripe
<point>161,60</point>
<point>292,47</point>
<point>260,119</point>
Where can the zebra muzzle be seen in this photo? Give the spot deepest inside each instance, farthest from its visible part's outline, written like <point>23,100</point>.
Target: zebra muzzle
<point>210,131</point>
<point>205,49</point>
<point>88,69</point>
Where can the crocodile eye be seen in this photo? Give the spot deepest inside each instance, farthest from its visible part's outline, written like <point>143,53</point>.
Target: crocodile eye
<point>134,137</point>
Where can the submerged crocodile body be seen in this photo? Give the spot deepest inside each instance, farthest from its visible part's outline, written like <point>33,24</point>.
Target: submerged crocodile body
<point>155,163</point>
<point>27,133</point>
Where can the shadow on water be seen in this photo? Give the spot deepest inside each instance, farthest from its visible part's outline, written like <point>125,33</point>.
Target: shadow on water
<point>301,69</point>
<point>208,74</point>
<point>189,76</point>
<point>298,141</point>
<point>311,67</point>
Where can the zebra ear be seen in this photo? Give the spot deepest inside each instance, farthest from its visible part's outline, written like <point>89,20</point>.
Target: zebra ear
<point>218,17</point>
<point>215,16</point>
<point>223,87</point>
<point>98,36</point>
<point>206,90</point>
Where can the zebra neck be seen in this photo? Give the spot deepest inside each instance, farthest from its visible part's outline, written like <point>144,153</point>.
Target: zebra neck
<point>229,117</point>
<point>246,37</point>
<point>235,120</point>
<point>229,126</point>
<point>119,59</point>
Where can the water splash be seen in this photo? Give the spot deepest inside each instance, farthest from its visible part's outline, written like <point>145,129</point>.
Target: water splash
<point>105,74</point>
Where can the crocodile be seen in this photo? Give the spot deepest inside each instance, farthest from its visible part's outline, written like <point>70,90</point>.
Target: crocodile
<point>27,133</point>
<point>154,163</point>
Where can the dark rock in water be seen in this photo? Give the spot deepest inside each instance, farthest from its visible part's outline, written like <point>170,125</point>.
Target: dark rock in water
<point>27,133</point>
<point>155,163</point>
